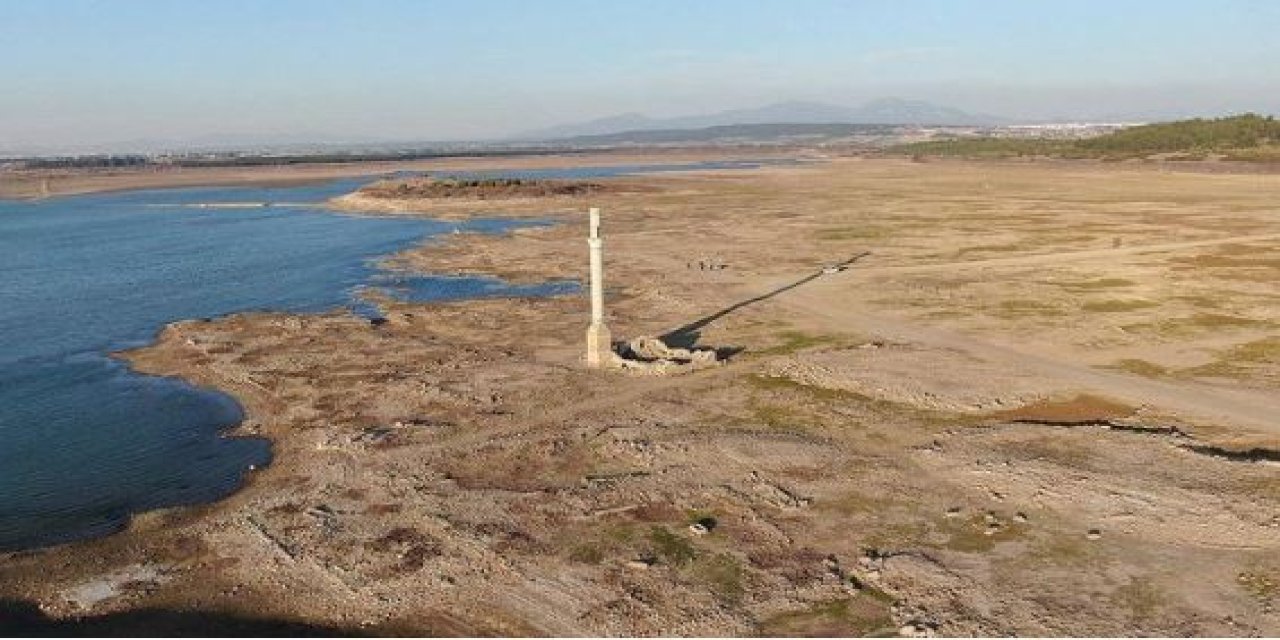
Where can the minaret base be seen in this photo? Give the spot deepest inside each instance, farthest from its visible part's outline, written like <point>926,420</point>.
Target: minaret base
<point>599,345</point>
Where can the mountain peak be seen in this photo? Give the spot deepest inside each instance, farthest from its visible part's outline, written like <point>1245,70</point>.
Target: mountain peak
<point>890,110</point>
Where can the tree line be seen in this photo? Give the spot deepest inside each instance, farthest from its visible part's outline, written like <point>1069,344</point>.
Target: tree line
<point>1244,137</point>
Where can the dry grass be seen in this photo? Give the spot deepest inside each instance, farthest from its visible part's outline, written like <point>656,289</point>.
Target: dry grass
<point>1096,284</point>
<point>864,614</point>
<point>793,341</point>
<point>1241,360</point>
<point>1139,367</point>
<point>1196,324</point>
<point>1080,409</point>
<point>1117,306</point>
<point>976,535</point>
<point>1141,597</point>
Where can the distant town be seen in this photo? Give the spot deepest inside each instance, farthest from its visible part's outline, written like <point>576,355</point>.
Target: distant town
<point>817,135</point>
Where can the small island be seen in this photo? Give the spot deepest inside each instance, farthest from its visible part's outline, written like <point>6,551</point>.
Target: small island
<point>483,189</point>
<point>429,193</point>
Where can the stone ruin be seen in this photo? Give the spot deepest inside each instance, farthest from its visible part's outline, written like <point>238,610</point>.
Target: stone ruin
<point>652,356</point>
<point>646,355</point>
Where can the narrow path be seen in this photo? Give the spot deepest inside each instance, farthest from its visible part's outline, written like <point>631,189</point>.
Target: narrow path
<point>1062,256</point>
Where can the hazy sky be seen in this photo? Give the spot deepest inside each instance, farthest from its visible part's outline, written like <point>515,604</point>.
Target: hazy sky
<point>99,71</point>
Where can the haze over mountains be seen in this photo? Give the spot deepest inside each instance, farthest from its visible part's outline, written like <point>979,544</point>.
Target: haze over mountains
<point>777,119</point>
<point>881,111</point>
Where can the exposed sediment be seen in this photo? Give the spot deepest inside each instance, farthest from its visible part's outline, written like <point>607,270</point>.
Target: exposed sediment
<point>455,469</point>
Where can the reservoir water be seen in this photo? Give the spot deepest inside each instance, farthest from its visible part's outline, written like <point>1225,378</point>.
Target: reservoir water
<point>84,441</point>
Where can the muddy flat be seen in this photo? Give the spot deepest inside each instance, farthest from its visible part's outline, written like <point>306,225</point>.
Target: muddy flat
<point>1034,399</point>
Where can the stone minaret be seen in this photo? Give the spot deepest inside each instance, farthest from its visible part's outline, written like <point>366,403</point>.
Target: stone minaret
<point>599,342</point>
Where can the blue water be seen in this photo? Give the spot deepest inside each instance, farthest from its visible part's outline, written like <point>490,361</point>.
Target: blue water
<point>84,441</point>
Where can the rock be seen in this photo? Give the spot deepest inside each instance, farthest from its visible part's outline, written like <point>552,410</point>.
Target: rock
<point>1094,534</point>
<point>652,355</point>
<point>1019,517</point>
<point>953,512</point>
<point>699,529</point>
<point>321,511</point>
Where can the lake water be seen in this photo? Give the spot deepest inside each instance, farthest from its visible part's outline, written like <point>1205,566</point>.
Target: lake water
<point>84,441</point>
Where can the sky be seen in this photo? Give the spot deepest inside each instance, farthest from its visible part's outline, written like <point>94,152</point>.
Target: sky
<point>84,72</point>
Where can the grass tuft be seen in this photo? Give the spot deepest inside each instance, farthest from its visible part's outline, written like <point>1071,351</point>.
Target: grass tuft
<point>1117,306</point>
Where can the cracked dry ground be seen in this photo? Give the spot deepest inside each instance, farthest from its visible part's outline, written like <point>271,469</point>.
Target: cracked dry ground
<point>455,471</point>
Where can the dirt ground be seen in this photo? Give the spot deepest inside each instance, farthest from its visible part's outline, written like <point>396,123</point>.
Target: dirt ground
<point>1042,399</point>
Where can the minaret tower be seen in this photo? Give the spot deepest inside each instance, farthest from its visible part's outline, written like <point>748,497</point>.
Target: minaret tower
<point>599,342</point>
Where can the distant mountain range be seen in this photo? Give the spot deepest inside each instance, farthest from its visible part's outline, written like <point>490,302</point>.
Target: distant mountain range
<point>895,111</point>
<point>731,133</point>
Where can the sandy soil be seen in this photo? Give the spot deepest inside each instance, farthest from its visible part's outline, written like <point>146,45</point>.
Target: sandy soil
<point>1040,402</point>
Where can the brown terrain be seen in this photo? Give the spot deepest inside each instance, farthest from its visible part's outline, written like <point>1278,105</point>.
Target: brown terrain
<point>1041,399</point>
<point>43,183</point>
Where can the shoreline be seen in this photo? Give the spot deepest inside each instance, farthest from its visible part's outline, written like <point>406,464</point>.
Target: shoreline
<point>26,185</point>
<point>243,426</point>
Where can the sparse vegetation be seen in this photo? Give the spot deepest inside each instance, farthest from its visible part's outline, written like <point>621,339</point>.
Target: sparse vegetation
<point>1239,360</point>
<point>862,232</point>
<point>670,547</point>
<point>706,520</point>
<point>723,574</point>
<point>1018,308</point>
<point>1197,323</point>
<point>777,416</point>
<point>1097,284</point>
<point>587,554</point>
<point>1138,366</point>
<point>866,613</point>
<point>1142,598</point>
<point>1260,585</point>
<point>1221,260</point>
<point>1117,306</point>
<point>976,535</point>
<point>429,187</point>
<point>857,501</point>
<point>1082,408</point>
<point>793,341</point>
